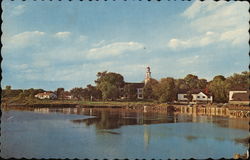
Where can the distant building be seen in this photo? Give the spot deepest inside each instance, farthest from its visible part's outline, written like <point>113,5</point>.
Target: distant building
<point>67,95</point>
<point>137,86</point>
<point>198,96</point>
<point>239,97</point>
<point>46,95</point>
<point>148,75</point>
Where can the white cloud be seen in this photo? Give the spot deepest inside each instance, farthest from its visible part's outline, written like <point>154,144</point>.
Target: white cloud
<point>23,39</point>
<point>189,60</point>
<point>214,22</point>
<point>18,10</point>
<point>62,35</point>
<point>237,36</point>
<point>113,49</point>
<point>199,41</point>
<point>227,16</point>
<point>199,7</point>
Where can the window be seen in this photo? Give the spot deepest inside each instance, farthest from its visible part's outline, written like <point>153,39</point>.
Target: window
<point>198,96</point>
<point>139,90</point>
<point>203,97</point>
<point>140,96</point>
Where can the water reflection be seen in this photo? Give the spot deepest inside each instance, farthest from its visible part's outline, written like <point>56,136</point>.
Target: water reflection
<point>117,133</point>
<point>115,118</point>
<point>191,138</point>
<point>147,135</point>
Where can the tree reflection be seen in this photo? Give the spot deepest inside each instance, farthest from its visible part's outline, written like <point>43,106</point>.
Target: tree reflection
<point>106,119</point>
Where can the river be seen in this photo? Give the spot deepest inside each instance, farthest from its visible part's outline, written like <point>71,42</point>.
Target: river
<point>118,133</point>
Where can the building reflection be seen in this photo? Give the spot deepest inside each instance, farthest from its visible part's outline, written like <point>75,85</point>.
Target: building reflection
<point>112,118</point>
<point>147,135</point>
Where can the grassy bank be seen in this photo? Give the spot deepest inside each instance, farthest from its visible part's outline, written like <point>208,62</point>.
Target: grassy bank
<point>33,102</point>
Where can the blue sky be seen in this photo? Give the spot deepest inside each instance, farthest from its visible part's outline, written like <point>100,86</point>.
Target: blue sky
<point>64,44</point>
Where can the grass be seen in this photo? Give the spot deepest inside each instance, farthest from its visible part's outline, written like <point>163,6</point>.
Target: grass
<point>32,101</point>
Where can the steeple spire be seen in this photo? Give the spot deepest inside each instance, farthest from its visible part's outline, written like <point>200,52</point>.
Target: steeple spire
<point>148,75</point>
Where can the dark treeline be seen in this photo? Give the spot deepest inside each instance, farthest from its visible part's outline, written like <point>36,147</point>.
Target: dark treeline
<point>111,86</point>
<point>166,89</point>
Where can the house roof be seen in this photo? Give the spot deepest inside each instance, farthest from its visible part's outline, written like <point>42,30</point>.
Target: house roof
<point>137,85</point>
<point>45,93</point>
<point>241,96</point>
<point>195,91</point>
<point>238,89</point>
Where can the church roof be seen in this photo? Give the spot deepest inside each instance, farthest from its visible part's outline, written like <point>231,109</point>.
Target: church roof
<point>137,85</point>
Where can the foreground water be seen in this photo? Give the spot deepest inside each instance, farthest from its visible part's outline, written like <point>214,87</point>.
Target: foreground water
<point>116,133</point>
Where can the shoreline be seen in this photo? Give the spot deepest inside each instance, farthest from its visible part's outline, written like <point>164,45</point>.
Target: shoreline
<point>231,111</point>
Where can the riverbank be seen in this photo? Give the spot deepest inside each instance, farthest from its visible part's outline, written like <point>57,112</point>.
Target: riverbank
<point>75,103</point>
<point>232,111</point>
<point>119,104</point>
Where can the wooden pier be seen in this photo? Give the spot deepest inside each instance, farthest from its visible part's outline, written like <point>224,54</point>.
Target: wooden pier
<point>231,111</point>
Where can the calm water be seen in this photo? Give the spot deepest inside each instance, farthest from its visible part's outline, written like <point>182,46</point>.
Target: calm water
<point>117,133</point>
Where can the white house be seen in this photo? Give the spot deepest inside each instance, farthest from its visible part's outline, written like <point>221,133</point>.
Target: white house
<point>46,95</point>
<point>231,93</point>
<point>197,97</point>
<point>239,97</point>
<point>202,97</point>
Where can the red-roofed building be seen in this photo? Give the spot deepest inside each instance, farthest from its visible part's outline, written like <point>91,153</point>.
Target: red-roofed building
<point>46,95</point>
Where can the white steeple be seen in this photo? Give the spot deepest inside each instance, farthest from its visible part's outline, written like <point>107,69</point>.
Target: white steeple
<point>148,75</point>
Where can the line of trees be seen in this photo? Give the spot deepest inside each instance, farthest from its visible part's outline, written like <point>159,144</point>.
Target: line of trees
<point>166,89</point>
<point>19,95</point>
<point>110,86</point>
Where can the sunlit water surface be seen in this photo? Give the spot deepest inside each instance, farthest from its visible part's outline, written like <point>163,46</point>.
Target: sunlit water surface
<point>117,133</point>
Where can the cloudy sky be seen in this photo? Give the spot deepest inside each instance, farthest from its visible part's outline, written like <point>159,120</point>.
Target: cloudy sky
<point>64,44</point>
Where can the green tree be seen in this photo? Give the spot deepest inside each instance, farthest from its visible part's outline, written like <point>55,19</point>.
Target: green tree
<point>219,88</point>
<point>202,83</point>
<point>6,92</point>
<point>148,89</point>
<point>94,93</point>
<point>79,93</point>
<point>60,93</point>
<point>239,81</point>
<point>31,93</point>
<point>189,96</point>
<point>7,87</point>
<point>165,90</point>
<point>192,81</point>
<point>109,83</point>
<point>109,91</point>
<point>130,91</point>
<point>181,85</point>
<point>21,96</point>
<point>113,78</point>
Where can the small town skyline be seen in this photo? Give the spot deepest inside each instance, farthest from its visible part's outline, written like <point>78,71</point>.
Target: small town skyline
<point>62,48</point>
<point>142,81</point>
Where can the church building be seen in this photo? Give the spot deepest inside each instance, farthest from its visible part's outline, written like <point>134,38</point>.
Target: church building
<point>135,90</point>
